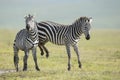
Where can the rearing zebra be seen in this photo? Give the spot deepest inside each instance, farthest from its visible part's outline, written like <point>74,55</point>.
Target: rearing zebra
<point>26,39</point>
<point>67,35</point>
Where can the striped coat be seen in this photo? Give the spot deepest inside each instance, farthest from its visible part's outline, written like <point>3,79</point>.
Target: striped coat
<point>67,35</point>
<point>26,39</point>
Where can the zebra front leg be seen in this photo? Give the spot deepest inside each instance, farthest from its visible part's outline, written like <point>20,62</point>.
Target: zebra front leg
<point>16,58</point>
<point>25,60</point>
<point>35,59</point>
<point>69,56</point>
<point>77,52</point>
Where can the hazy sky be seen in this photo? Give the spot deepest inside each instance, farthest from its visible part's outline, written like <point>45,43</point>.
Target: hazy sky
<point>105,13</point>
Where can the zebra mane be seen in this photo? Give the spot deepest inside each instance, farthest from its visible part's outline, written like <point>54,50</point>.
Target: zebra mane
<point>79,20</point>
<point>57,24</point>
<point>76,22</point>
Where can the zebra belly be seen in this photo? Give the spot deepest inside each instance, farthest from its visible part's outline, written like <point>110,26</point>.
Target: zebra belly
<point>58,41</point>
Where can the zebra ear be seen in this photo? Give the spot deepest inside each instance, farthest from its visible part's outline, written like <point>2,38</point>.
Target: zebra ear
<point>25,17</point>
<point>32,16</point>
<point>29,15</point>
<point>90,19</point>
<point>81,18</point>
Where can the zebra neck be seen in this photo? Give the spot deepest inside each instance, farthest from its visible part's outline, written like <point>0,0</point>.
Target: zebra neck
<point>33,36</point>
<point>34,43</point>
<point>76,30</point>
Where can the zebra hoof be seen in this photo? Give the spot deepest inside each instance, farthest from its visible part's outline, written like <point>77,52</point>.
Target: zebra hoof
<point>25,69</point>
<point>80,66</point>
<point>47,55</point>
<point>69,68</point>
<point>37,69</point>
<point>42,53</point>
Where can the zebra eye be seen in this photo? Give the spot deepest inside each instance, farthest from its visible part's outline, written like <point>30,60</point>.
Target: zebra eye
<point>86,27</point>
<point>88,20</point>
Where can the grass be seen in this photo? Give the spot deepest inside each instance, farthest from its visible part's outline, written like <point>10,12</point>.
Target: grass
<point>100,59</point>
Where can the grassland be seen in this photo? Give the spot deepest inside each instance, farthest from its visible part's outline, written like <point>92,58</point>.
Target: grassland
<point>100,59</point>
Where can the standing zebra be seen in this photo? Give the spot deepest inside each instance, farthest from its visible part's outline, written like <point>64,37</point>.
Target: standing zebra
<point>67,35</point>
<point>26,39</point>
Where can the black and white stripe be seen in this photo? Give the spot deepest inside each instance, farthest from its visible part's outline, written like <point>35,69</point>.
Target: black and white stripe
<point>51,32</point>
<point>67,35</point>
<point>26,39</point>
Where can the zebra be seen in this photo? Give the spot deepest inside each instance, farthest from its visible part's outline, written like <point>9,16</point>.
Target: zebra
<point>26,39</point>
<point>67,35</point>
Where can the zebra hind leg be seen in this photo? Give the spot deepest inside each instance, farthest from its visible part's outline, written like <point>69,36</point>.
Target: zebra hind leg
<point>16,58</point>
<point>46,50</point>
<point>41,49</point>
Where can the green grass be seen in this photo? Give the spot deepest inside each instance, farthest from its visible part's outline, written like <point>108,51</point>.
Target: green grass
<point>100,59</point>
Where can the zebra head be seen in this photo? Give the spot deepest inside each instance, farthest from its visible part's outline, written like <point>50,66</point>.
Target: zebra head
<point>85,26</point>
<point>30,23</point>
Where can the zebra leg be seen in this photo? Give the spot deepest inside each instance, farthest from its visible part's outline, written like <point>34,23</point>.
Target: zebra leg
<point>69,56</point>
<point>25,60</point>
<point>35,59</point>
<point>77,52</point>
<point>46,50</point>
<point>41,49</point>
<point>16,58</point>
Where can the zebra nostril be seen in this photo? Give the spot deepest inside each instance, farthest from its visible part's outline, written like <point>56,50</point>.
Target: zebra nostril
<point>88,37</point>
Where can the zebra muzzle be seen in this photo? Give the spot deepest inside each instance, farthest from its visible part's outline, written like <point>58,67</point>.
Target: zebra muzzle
<point>88,37</point>
<point>27,27</point>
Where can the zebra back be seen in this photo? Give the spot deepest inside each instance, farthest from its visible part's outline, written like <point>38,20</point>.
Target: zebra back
<point>50,31</point>
<point>58,33</point>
